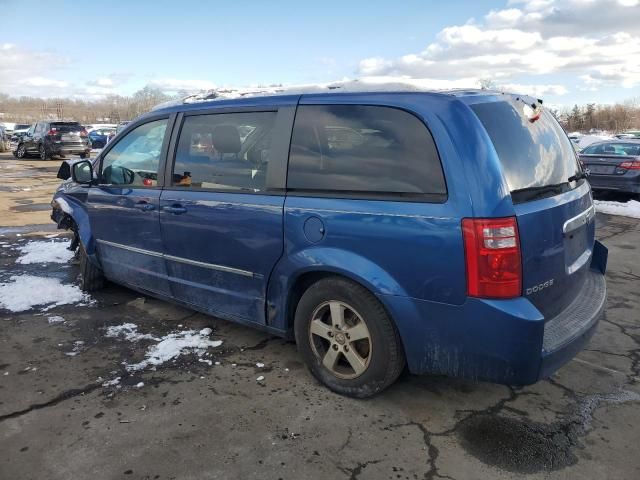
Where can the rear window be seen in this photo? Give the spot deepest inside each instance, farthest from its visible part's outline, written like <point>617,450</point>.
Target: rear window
<point>362,149</point>
<point>613,149</point>
<point>66,127</point>
<point>534,155</point>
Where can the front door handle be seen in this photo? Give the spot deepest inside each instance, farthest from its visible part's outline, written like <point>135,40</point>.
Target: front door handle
<point>144,206</point>
<point>175,209</point>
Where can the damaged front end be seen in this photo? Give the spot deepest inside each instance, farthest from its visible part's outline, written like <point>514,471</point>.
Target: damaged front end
<point>65,221</point>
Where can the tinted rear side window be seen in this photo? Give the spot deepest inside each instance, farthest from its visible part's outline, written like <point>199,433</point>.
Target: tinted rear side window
<point>533,154</point>
<point>357,148</point>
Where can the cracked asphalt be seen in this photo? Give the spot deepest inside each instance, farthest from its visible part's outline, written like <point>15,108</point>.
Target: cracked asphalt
<point>192,420</point>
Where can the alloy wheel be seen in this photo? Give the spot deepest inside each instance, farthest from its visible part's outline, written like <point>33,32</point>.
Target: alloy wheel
<point>340,339</point>
<point>21,151</point>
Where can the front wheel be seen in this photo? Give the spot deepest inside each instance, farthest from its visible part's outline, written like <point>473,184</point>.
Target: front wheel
<point>91,277</point>
<point>347,339</point>
<point>21,151</point>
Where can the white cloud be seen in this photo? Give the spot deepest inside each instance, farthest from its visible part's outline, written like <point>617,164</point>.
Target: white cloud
<point>21,71</point>
<point>597,41</point>
<point>45,82</point>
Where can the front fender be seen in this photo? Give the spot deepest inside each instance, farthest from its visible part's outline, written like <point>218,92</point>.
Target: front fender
<point>323,260</point>
<point>73,208</point>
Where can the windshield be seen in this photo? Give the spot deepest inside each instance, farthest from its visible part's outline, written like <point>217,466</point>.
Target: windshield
<point>535,155</point>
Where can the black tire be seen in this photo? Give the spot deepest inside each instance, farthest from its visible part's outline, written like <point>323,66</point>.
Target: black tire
<point>385,358</point>
<point>91,277</point>
<point>21,151</point>
<point>43,152</point>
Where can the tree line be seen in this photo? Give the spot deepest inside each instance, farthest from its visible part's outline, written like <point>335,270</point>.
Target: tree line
<point>110,109</point>
<point>615,118</point>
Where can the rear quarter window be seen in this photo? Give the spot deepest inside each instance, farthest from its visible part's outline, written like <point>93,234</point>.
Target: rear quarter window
<point>363,150</point>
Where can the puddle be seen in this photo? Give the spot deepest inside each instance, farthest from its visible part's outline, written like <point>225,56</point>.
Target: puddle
<point>34,207</point>
<point>519,446</point>
<point>23,202</point>
<point>523,446</point>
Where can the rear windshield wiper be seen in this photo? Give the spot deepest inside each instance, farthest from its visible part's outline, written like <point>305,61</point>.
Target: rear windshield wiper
<point>578,176</point>
<point>533,193</point>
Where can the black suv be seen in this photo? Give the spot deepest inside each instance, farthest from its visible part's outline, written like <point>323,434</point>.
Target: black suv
<point>49,138</point>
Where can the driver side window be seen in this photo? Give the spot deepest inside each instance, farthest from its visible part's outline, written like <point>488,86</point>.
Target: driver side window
<point>134,160</point>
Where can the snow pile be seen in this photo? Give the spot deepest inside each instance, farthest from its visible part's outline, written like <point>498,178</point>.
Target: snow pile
<point>168,347</point>
<point>129,331</point>
<point>55,319</point>
<point>629,209</point>
<point>24,292</point>
<point>45,251</point>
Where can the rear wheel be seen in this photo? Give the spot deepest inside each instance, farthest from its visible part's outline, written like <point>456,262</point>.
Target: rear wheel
<point>44,153</point>
<point>91,277</point>
<point>347,339</point>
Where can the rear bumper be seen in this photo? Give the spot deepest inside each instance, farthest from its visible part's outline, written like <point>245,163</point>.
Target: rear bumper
<point>69,150</point>
<point>501,341</point>
<point>620,183</point>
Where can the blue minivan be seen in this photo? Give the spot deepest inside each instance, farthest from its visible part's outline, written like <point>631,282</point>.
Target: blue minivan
<point>448,232</point>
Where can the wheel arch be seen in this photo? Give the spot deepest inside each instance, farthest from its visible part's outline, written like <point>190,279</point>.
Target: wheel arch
<point>73,211</point>
<point>286,289</point>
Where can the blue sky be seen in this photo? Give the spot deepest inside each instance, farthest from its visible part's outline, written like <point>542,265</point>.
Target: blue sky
<point>552,47</point>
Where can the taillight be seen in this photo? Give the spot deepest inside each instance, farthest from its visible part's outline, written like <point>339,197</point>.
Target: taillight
<point>52,132</point>
<point>634,165</point>
<point>492,252</point>
<point>83,133</point>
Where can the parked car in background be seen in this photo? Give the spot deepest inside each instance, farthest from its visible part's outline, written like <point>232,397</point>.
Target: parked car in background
<point>49,138</point>
<point>95,126</point>
<point>121,126</point>
<point>355,223</point>
<point>613,165</point>
<point>21,128</point>
<point>100,136</point>
<point>4,138</point>
<point>8,127</point>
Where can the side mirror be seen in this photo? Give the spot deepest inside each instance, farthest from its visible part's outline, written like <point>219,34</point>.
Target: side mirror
<point>82,172</point>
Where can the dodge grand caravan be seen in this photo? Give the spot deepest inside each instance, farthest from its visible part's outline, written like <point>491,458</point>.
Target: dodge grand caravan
<point>449,232</point>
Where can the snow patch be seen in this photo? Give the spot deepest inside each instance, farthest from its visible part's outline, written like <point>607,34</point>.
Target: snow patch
<point>260,365</point>
<point>168,347</point>
<point>45,251</point>
<point>260,378</point>
<point>112,383</point>
<point>629,209</point>
<point>24,292</point>
<point>55,319</point>
<point>129,331</point>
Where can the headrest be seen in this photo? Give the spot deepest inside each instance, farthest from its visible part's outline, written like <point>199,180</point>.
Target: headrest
<point>226,139</point>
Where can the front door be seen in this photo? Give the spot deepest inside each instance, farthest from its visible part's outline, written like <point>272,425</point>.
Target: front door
<point>221,211</point>
<point>32,138</point>
<point>123,209</point>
